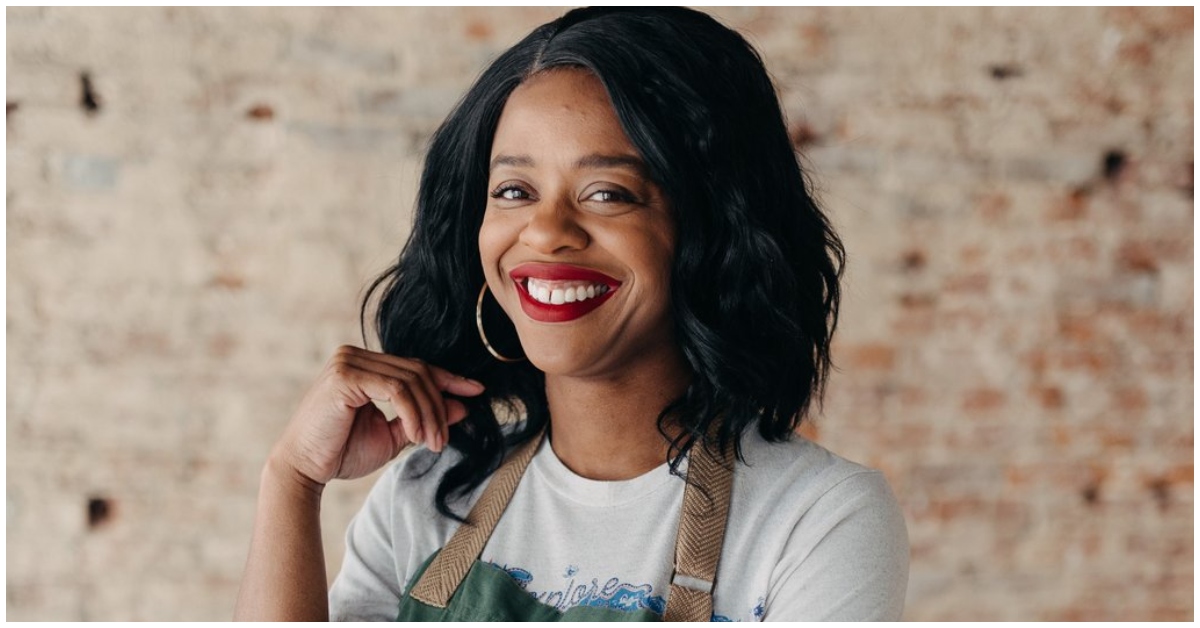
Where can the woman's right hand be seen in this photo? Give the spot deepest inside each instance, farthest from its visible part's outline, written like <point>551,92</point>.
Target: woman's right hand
<point>338,433</point>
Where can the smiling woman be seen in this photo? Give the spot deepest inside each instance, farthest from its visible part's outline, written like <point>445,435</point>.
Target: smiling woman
<point>572,206</point>
<point>621,184</point>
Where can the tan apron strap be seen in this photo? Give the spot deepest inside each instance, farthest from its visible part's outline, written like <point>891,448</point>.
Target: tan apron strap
<point>441,579</point>
<point>701,534</point>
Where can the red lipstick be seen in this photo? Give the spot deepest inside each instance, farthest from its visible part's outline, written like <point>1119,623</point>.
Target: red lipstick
<point>550,279</point>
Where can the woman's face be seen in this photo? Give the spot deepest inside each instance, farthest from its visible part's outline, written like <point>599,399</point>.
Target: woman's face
<point>577,241</point>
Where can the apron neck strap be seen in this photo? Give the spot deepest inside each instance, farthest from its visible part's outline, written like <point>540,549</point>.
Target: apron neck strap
<point>441,579</point>
<point>701,532</point>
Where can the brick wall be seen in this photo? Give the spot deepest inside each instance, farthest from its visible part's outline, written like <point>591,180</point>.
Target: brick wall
<point>197,197</point>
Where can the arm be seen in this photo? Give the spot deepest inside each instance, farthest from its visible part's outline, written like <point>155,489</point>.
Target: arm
<point>285,571</point>
<point>846,559</point>
<point>337,432</point>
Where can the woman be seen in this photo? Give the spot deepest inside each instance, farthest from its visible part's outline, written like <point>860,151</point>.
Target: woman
<point>614,244</point>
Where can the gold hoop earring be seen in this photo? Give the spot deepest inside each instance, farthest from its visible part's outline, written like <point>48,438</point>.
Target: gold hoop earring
<point>483,336</point>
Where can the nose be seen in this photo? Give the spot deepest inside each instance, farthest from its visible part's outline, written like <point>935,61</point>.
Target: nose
<point>553,228</point>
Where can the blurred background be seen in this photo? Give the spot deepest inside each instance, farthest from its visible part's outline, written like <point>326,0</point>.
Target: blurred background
<point>196,199</point>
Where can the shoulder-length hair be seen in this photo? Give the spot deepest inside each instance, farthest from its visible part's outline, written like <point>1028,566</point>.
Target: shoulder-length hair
<point>754,286</point>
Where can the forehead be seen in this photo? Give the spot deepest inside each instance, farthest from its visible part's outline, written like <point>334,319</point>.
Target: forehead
<point>564,111</point>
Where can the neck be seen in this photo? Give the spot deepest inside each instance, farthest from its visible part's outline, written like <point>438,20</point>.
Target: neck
<point>607,428</point>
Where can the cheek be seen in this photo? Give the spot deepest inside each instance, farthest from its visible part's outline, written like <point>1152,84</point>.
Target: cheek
<point>662,263</point>
<point>492,245</point>
<point>650,251</point>
<point>660,253</point>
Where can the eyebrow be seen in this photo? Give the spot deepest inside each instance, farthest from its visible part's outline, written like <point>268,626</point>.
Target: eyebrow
<point>594,160</point>
<point>612,161</point>
<point>519,161</point>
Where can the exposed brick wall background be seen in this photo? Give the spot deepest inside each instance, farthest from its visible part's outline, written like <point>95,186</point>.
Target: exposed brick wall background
<point>197,197</point>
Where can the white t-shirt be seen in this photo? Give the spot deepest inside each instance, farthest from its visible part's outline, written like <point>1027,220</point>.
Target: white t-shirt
<point>811,536</point>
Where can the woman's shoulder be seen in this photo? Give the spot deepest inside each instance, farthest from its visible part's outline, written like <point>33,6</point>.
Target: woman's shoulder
<point>799,462</point>
<point>800,480</point>
<point>820,526</point>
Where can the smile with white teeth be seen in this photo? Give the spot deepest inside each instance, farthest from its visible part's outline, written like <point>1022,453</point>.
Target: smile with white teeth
<point>559,292</point>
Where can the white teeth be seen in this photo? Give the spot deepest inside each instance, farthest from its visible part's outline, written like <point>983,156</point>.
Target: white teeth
<point>555,293</point>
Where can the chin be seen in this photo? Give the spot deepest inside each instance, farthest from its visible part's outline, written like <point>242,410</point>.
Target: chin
<point>561,358</point>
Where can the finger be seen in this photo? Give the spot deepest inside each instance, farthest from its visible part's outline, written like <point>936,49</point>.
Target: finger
<point>397,429</point>
<point>408,414</point>
<point>454,383</point>
<point>443,379</point>
<point>436,429</point>
<point>363,385</point>
<point>413,373</point>
<point>434,379</point>
<point>430,405</point>
<point>455,412</point>
<point>370,415</point>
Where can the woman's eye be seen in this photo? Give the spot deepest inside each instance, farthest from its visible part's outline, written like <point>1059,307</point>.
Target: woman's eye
<point>612,196</point>
<point>509,193</point>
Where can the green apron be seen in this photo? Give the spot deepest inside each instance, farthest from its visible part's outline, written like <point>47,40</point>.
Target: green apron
<point>454,585</point>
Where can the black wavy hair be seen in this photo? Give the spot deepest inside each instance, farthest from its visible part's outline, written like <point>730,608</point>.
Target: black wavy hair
<point>754,287</point>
